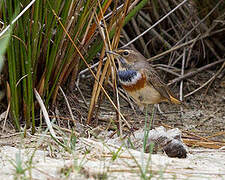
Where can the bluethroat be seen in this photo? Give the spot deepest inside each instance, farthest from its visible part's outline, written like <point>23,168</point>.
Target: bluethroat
<point>140,80</point>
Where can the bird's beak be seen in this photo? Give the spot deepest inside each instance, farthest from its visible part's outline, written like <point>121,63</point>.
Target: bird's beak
<point>118,57</point>
<point>112,52</point>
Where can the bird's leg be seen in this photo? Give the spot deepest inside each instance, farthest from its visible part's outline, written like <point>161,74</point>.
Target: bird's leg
<point>151,115</point>
<point>152,118</point>
<point>146,129</point>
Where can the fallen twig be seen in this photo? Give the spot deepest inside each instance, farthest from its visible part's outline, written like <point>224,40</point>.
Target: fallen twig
<point>207,82</point>
<point>192,73</point>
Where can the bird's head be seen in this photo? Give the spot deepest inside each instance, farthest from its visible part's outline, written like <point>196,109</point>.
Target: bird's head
<point>128,58</point>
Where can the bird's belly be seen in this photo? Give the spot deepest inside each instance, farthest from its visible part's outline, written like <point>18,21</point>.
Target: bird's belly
<point>135,84</point>
<point>146,95</point>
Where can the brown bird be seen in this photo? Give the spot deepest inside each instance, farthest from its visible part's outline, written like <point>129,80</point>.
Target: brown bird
<point>140,79</point>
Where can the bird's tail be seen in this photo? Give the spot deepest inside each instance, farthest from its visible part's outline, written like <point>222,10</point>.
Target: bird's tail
<point>176,101</point>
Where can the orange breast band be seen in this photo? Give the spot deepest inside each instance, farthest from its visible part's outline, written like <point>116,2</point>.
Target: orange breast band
<point>138,85</point>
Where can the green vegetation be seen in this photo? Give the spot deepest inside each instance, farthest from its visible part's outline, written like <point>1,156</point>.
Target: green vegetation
<point>51,42</point>
<point>40,53</point>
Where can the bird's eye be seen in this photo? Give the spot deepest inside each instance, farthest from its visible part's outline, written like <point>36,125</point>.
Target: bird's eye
<point>125,53</point>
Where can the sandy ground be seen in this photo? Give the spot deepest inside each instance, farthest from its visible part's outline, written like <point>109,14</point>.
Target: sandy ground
<point>100,163</point>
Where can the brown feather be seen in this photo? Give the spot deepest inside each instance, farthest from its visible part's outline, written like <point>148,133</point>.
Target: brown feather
<point>155,81</point>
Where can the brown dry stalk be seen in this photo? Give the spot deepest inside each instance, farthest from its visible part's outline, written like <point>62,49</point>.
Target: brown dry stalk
<point>192,73</point>
<point>211,144</point>
<point>77,49</point>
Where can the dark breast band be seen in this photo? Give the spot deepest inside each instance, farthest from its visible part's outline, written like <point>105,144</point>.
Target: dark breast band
<point>126,78</point>
<point>127,75</point>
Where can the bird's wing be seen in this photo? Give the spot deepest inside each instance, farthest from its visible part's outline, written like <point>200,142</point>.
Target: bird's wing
<point>154,80</point>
